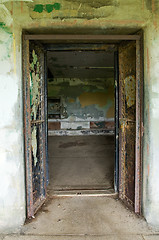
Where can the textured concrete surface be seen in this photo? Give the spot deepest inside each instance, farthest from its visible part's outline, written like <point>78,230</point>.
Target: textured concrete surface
<point>85,218</point>
<point>85,215</point>
<point>81,162</point>
<point>106,237</point>
<point>152,237</point>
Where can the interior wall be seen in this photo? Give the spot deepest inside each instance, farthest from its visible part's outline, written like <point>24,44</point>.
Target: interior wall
<point>87,17</point>
<point>81,88</point>
<point>86,103</point>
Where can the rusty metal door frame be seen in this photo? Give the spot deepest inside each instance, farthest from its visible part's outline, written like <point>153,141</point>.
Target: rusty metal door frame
<point>35,169</point>
<point>139,91</point>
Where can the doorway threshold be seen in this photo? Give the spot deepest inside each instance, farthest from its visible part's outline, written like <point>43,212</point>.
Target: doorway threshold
<point>93,193</point>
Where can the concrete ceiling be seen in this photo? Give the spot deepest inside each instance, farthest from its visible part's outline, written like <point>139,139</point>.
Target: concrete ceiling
<point>81,64</point>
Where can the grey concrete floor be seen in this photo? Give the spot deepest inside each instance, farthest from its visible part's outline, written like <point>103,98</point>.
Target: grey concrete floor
<point>81,162</point>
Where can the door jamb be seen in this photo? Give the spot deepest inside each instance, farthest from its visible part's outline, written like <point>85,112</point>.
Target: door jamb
<point>139,92</point>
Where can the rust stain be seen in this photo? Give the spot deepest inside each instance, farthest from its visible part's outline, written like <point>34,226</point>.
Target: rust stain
<point>153,6</point>
<point>155,22</point>
<point>21,6</point>
<point>130,90</point>
<point>143,4</point>
<point>11,8</point>
<point>148,169</point>
<point>89,98</point>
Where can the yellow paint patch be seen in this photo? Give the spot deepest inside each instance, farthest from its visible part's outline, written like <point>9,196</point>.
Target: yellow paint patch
<point>71,100</point>
<point>89,98</point>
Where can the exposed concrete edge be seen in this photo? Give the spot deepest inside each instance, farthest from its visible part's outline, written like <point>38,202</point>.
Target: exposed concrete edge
<point>80,132</point>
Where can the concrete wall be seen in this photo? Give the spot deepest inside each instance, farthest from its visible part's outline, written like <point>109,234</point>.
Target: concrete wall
<point>116,16</point>
<point>151,119</point>
<point>12,188</point>
<point>83,100</point>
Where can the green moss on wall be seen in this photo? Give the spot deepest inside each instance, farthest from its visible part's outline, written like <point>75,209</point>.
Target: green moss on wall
<point>38,8</point>
<point>48,7</point>
<point>5,28</point>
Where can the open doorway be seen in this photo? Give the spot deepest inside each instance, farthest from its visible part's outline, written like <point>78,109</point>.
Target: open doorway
<point>78,105</point>
<point>81,119</point>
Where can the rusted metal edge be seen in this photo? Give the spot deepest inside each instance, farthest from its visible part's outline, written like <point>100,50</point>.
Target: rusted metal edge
<point>81,37</point>
<point>116,95</point>
<point>43,178</point>
<point>121,138</point>
<point>138,130</point>
<point>27,129</point>
<point>80,47</point>
<point>38,204</point>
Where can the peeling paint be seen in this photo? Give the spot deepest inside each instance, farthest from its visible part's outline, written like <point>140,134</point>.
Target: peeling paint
<point>98,98</point>
<point>85,98</point>
<point>130,90</point>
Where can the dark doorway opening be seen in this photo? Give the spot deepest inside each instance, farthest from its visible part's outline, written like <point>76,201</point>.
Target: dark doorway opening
<point>81,114</point>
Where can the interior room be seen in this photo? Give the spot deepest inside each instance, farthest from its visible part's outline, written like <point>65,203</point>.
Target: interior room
<point>81,126</point>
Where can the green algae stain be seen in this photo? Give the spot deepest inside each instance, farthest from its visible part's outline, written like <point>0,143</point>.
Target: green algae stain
<point>49,8</point>
<point>2,24</point>
<point>57,6</point>
<point>5,28</point>
<point>38,8</point>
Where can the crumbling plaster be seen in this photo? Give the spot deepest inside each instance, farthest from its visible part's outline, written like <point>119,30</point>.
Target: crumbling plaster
<point>117,17</point>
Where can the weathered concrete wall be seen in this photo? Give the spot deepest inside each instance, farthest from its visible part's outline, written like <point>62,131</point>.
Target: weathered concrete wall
<point>83,16</point>
<point>12,189</point>
<point>151,119</point>
<point>83,99</point>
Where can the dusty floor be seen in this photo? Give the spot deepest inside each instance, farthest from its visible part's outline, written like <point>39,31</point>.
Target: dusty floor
<point>81,162</point>
<point>85,218</point>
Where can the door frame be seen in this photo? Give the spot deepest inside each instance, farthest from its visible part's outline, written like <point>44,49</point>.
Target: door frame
<point>139,93</point>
